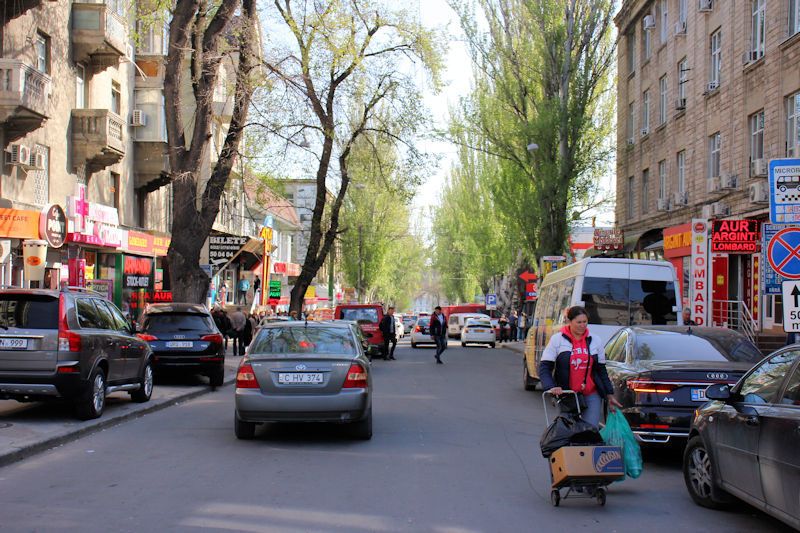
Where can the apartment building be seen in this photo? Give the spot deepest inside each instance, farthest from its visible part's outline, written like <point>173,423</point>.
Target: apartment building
<point>708,91</point>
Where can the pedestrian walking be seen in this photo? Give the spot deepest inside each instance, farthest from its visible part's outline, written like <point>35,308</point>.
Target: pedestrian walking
<point>257,290</point>
<point>238,321</point>
<point>574,360</point>
<point>512,326</point>
<point>247,334</point>
<point>222,322</point>
<point>244,286</point>
<point>387,327</point>
<point>523,326</point>
<point>438,330</point>
<point>503,323</point>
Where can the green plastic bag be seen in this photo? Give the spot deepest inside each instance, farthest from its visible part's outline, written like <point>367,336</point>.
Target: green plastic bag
<point>618,433</point>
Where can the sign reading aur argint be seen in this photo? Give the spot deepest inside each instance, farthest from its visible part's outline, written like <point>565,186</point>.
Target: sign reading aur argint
<point>735,236</point>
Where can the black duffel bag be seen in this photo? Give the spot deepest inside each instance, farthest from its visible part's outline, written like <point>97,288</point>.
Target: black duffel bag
<point>568,430</point>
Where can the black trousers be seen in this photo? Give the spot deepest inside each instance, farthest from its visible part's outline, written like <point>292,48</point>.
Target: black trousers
<point>389,339</point>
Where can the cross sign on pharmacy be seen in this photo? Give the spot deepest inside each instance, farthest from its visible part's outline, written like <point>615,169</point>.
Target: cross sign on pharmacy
<point>783,253</point>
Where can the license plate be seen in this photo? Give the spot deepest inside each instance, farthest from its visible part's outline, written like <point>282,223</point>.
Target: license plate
<point>480,331</point>
<point>699,395</point>
<point>300,378</point>
<point>180,344</point>
<point>14,344</point>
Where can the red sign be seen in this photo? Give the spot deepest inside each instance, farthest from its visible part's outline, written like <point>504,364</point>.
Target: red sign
<point>678,241</point>
<point>608,239</point>
<point>735,236</point>
<point>528,277</point>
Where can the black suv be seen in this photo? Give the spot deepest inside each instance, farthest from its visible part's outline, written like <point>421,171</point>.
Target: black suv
<point>183,337</point>
<point>71,344</point>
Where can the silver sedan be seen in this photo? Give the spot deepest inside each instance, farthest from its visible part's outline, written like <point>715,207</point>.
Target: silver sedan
<point>304,372</point>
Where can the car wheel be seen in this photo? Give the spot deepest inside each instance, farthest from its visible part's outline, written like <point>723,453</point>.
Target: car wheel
<point>145,385</point>
<point>463,344</point>
<point>413,344</point>
<point>363,428</point>
<point>527,381</point>
<point>92,400</point>
<point>492,344</point>
<point>217,377</point>
<point>244,430</point>
<point>698,474</point>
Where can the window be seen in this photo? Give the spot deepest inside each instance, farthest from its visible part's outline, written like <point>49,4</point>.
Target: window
<point>758,36</point>
<point>713,155</point>
<point>646,112</point>
<point>28,311</point>
<point>794,17</point>
<point>42,46</point>
<point>645,190</point>
<point>87,314</point>
<point>662,100</point>
<point>630,41</point>
<point>626,302</point>
<point>116,98</point>
<point>792,394</point>
<point>683,78</point>
<point>662,178</point>
<point>647,44</point>
<point>793,125</point>
<point>80,87</point>
<point>664,23</point>
<point>119,321</point>
<point>683,10</point>
<point>757,135</point>
<point>106,318</point>
<point>669,346</point>
<point>681,164</point>
<point>631,121</point>
<point>168,322</point>
<point>763,383</point>
<point>716,57</point>
<point>41,175</point>
<point>282,339</point>
<point>630,197</point>
<point>113,189</point>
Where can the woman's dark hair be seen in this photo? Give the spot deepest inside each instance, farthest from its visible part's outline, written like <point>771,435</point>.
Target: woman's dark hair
<point>575,311</point>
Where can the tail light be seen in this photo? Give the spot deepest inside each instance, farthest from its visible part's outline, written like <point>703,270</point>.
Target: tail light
<point>246,377</point>
<point>653,426</point>
<point>418,329</point>
<point>147,337</point>
<point>216,338</point>
<point>356,377</point>
<point>73,369</point>
<point>642,386</point>
<point>68,341</point>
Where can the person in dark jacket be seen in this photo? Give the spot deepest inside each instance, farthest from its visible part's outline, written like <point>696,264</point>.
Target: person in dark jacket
<point>387,327</point>
<point>223,323</point>
<point>438,330</point>
<point>574,360</point>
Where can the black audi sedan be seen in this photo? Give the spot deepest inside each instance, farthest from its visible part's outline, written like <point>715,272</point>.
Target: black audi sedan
<point>660,374</point>
<point>184,338</point>
<point>746,441</point>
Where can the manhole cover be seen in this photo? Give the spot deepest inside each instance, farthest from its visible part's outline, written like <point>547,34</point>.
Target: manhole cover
<point>4,425</point>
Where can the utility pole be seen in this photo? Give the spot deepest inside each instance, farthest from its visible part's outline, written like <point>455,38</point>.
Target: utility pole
<point>360,263</point>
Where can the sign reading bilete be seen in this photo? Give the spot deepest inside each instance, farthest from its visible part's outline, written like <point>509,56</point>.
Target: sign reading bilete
<point>735,236</point>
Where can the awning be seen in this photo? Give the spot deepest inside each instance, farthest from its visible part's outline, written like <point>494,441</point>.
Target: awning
<point>658,245</point>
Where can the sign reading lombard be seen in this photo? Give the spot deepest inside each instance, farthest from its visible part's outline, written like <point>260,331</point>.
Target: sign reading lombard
<point>735,236</point>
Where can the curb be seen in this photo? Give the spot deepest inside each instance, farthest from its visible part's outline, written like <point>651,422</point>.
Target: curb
<point>103,423</point>
<point>514,348</point>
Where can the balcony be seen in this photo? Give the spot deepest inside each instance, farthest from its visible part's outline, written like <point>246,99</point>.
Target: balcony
<point>97,138</point>
<point>99,36</point>
<point>24,98</point>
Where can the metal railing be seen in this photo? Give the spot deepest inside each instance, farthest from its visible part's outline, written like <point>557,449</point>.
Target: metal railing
<point>734,314</point>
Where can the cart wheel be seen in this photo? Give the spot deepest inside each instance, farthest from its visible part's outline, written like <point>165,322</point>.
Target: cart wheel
<point>601,496</point>
<point>555,497</point>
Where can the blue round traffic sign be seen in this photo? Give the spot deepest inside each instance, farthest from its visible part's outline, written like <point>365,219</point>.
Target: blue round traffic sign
<point>783,253</point>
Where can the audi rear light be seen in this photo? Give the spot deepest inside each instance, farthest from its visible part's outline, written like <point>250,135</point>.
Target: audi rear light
<point>356,377</point>
<point>68,341</point>
<point>246,377</point>
<point>418,329</point>
<point>216,338</point>
<point>641,386</point>
<point>147,337</point>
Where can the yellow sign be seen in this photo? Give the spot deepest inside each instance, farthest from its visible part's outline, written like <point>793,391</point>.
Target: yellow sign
<point>311,292</point>
<point>266,234</point>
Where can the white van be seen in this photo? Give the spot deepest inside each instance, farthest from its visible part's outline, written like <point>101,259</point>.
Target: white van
<point>615,293</point>
<point>456,321</point>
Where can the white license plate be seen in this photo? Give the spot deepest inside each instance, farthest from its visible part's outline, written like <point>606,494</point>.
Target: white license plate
<point>300,377</point>
<point>480,331</point>
<point>180,344</point>
<point>699,395</point>
<point>14,344</point>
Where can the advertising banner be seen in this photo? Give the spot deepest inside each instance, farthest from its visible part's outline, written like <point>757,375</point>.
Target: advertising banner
<point>699,272</point>
<point>735,236</point>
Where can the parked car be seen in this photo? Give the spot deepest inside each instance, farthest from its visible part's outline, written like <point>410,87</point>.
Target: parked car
<point>368,316</point>
<point>456,321</point>
<point>478,331</point>
<point>660,374</point>
<point>421,332</point>
<point>408,322</point>
<point>304,372</point>
<point>71,344</point>
<point>745,441</point>
<point>184,338</point>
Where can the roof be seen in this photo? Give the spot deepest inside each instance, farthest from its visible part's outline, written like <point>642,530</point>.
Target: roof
<point>271,202</point>
<point>699,331</point>
<point>309,324</point>
<point>176,307</point>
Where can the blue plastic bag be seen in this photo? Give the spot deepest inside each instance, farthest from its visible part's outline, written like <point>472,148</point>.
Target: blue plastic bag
<point>618,433</point>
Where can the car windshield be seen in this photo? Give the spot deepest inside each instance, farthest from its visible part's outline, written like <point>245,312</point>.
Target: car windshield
<point>312,340</point>
<point>484,323</point>
<point>362,315</point>
<point>667,346</point>
<point>28,311</point>
<point>167,322</point>
<point>424,322</point>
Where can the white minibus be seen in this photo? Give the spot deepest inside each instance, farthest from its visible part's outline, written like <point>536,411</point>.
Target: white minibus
<point>456,321</point>
<point>615,293</point>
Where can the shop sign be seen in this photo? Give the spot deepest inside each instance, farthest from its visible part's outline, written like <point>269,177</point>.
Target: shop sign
<point>19,223</point>
<point>137,272</point>
<point>678,241</point>
<point>311,292</point>
<point>608,239</point>
<point>699,272</point>
<point>274,288</point>
<point>222,248</point>
<point>288,269</point>
<point>53,225</point>
<point>93,224</point>
<point>161,245</point>
<point>139,243</point>
<point>735,236</point>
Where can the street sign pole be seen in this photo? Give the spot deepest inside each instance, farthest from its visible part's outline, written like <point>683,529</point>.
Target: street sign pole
<point>791,306</point>
<point>266,234</point>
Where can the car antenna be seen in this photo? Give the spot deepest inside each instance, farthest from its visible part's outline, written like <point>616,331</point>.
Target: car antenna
<point>689,331</point>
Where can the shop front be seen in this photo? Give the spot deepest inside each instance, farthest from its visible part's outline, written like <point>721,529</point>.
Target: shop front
<point>31,244</point>
<point>142,276</point>
<point>735,251</point>
<point>678,251</point>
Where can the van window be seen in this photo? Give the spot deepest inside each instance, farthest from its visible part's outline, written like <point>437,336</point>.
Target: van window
<point>624,302</point>
<point>362,315</point>
<point>453,319</point>
<point>28,311</point>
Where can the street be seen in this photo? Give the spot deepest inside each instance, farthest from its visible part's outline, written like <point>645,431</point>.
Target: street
<point>455,449</point>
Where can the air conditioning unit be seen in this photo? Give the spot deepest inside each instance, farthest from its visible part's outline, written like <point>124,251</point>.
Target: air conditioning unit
<point>680,198</point>
<point>138,118</point>
<point>680,104</point>
<point>662,204</point>
<point>649,22</point>
<point>718,209</point>
<point>706,212</point>
<point>645,131</point>
<point>730,181</point>
<point>759,194</point>
<point>712,86</point>
<point>680,27</point>
<point>713,184</point>
<point>20,155</point>
<point>705,6</point>
<point>758,167</point>
<point>630,141</point>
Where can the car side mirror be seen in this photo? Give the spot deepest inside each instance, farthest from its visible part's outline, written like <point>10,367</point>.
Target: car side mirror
<point>719,391</point>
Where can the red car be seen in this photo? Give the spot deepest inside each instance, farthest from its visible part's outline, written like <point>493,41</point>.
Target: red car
<point>368,316</point>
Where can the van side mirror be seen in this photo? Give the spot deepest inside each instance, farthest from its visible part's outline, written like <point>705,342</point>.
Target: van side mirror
<point>719,391</point>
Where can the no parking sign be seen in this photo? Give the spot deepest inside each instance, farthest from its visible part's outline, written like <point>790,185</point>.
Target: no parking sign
<point>782,256</point>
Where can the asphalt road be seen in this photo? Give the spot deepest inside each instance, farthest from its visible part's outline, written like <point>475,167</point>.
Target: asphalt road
<point>455,450</point>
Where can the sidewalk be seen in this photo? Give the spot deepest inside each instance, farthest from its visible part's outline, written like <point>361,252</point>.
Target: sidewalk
<point>30,428</point>
<point>516,346</point>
